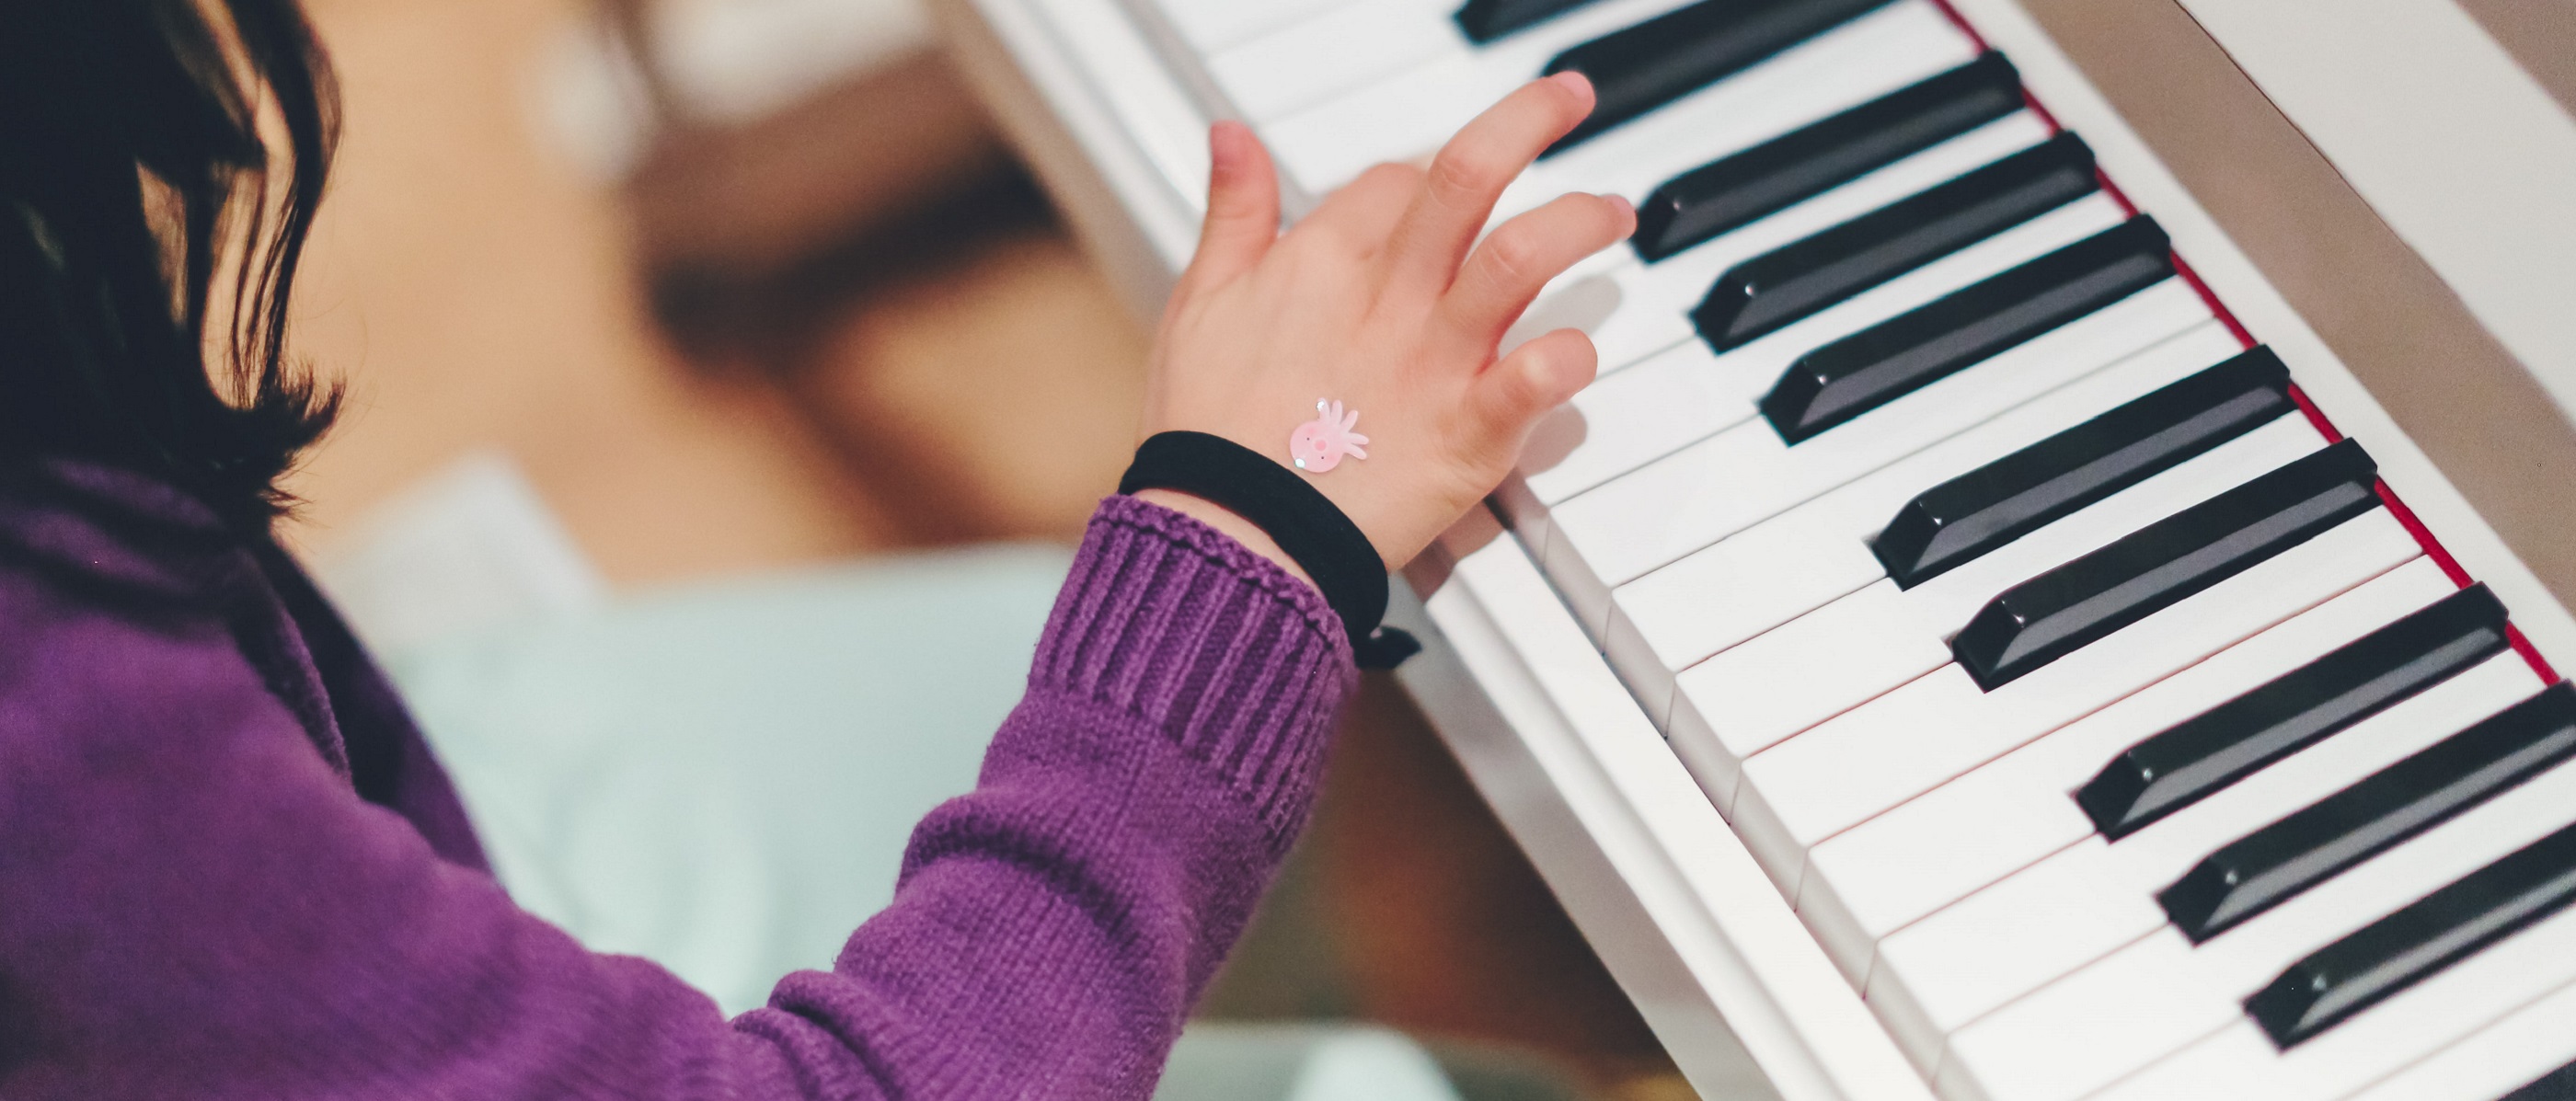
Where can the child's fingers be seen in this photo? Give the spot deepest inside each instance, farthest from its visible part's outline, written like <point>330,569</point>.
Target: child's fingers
<point>1471,171</point>
<point>1243,205</point>
<point>1515,261</point>
<point>1538,376</point>
<point>1360,215</point>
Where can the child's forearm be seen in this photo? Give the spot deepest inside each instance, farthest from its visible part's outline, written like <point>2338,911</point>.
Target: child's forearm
<point>1054,927</point>
<point>225,921</point>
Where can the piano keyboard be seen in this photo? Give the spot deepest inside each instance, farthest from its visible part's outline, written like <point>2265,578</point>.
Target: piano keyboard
<point>2107,721</point>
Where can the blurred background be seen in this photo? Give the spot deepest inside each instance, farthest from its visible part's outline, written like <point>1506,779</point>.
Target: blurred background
<point>724,399</point>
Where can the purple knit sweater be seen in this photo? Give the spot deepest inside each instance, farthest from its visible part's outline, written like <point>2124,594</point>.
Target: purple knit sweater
<point>230,868</point>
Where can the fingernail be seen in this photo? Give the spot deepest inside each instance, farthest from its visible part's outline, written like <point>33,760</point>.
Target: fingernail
<point>1229,146</point>
<point>1621,202</point>
<point>1574,81</point>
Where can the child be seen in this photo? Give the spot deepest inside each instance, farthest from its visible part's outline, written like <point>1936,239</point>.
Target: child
<point>229,867</point>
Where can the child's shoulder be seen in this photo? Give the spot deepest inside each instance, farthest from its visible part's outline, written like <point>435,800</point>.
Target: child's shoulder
<point>100,534</point>
<point>116,625</point>
<point>105,562</point>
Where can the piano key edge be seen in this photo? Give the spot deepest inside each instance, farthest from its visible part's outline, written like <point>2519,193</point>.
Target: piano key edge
<point>2125,157</point>
<point>1685,920</point>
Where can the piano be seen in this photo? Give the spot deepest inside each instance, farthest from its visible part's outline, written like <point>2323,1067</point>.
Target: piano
<point>1983,635</point>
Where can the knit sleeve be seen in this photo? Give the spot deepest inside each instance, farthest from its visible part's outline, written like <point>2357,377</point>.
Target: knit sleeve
<point>1214,649</point>
<point>204,909</point>
<point>1059,921</point>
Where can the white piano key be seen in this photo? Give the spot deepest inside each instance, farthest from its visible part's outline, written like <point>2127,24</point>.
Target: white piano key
<point>2505,1055</point>
<point>1652,516</point>
<point>1639,424</point>
<point>1619,304</point>
<point>1409,113</point>
<point>1209,26</point>
<point>1629,306</point>
<point>1783,568</point>
<point>2072,891</point>
<point>1685,277</point>
<point>1874,54</point>
<point>2244,959</point>
<point>1730,710</point>
<point>2238,1061</point>
<point>1930,851</point>
<point>1876,755</point>
<point>2274,590</point>
<point>1405,112</point>
<point>2055,917</point>
<point>2084,902</point>
<point>1634,310</point>
<point>1629,419</point>
<point>1767,358</point>
<point>1756,698</point>
<point>1346,47</point>
<point>1681,280</point>
<point>2200,990</point>
<point>1807,557</point>
<point>2044,1046</point>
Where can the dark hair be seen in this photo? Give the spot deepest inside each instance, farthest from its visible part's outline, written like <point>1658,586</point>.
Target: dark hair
<point>135,185</point>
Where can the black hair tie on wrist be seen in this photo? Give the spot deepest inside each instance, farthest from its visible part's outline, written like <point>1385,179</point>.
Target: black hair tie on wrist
<point>1305,523</point>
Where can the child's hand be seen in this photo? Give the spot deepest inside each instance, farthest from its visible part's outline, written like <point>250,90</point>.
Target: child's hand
<point>1374,301</point>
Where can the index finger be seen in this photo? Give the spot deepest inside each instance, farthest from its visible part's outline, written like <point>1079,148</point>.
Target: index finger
<point>1459,191</point>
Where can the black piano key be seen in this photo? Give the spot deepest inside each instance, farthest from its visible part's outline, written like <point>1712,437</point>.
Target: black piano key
<point>1912,350</point>
<point>2415,943</point>
<point>1643,67</point>
<point>2275,863</point>
<point>1763,294</point>
<point>2148,570</point>
<point>1486,20</point>
<point>2557,1085</point>
<point>1953,523</point>
<point>2235,739</point>
<point>1723,194</point>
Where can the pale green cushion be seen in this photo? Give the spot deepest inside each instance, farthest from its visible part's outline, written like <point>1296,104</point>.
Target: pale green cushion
<point>722,777</point>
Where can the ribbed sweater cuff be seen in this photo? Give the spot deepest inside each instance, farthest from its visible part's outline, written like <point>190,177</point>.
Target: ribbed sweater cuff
<point>1239,663</point>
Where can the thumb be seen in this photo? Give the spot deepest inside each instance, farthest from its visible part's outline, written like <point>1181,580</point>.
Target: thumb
<point>1243,205</point>
<point>1510,397</point>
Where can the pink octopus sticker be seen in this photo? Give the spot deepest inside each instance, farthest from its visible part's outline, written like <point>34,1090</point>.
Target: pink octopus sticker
<point>1319,444</point>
